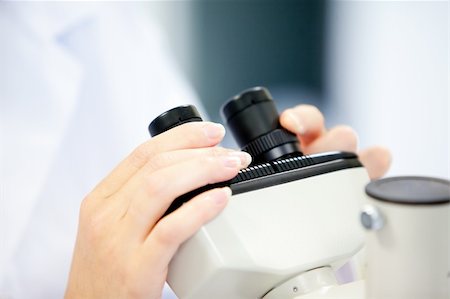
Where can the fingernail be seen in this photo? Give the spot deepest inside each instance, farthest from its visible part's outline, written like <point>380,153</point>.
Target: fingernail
<point>214,131</point>
<point>231,161</point>
<point>295,122</point>
<point>244,157</point>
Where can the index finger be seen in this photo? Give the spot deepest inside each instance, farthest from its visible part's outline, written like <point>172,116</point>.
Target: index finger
<point>189,135</point>
<point>306,121</point>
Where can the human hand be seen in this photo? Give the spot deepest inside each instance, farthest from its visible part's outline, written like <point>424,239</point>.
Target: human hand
<point>307,122</point>
<point>123,248</point>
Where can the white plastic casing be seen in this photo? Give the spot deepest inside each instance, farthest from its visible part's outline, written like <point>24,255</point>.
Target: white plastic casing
<point>409,257</point>
<point>267,236</point>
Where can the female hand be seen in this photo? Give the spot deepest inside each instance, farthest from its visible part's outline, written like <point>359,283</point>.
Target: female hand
<point>307,122</point>
<point>123,248</point>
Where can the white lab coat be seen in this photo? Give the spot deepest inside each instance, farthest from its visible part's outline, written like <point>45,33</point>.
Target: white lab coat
<point>79,84</point>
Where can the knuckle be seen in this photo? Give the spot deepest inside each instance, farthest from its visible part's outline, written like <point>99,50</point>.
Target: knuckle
<point>217,151</point>
<point>142,153</point>
<point>87,206</point>
<point>155,183</point>
<point>159,161</point>
<point>92,220</point>
<point>165,234</point>
<point>191,134</point>
<point>208,165</point>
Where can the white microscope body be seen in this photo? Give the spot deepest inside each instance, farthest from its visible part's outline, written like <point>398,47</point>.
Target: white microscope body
<point>277,242</point>
<point>293,220</point>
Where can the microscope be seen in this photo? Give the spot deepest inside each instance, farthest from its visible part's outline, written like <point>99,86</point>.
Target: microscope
<point>291,222</point>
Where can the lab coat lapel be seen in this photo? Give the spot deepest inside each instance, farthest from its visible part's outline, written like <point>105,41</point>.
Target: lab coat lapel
<point>29,137</point>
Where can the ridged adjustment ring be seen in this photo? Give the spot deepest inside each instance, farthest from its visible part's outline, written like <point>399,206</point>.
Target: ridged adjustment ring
<point>269,141</point>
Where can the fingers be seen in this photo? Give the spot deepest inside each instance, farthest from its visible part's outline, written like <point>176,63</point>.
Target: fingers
<point>189,135</point>
<point>150,194</point>
<point>339,138</point>
<point>171,231</point>
<point>304,120</point>
<point>308,123</point>
<point>376,160</point>
<point>166,159</point>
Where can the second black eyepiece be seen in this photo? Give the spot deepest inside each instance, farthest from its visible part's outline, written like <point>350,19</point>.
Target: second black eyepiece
<point>253,120</point>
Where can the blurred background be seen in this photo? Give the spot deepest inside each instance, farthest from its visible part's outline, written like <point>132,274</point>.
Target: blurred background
<point>84,79</point>
<point>225,47</point>
<point>380,66</point>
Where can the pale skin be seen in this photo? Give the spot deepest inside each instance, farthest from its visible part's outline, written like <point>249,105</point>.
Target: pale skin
<point>123,248</point>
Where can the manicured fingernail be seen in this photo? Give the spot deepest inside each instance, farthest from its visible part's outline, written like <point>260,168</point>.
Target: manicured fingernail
<point>244,157</point>
<point>295,123</point>
<point>231,161</point>
<point>214,131</point>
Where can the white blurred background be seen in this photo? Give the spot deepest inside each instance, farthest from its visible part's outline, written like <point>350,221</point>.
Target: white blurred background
<point>388,76</point>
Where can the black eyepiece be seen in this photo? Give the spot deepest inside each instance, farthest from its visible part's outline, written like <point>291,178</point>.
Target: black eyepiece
<point>253,120</point>
<point>172,118</point>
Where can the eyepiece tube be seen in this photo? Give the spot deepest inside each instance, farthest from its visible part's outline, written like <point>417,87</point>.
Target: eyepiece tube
<point>253,120</point>
<point>172,118</point>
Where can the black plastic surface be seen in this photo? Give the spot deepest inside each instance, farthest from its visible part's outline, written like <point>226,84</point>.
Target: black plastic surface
<point>245,99</point>
<point>172,118</point>
<point>413,190</point>
<point>279,172</point>
<point>253,119</point>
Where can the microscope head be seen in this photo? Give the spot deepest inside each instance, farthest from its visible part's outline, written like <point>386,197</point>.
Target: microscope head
<point>289,213</point>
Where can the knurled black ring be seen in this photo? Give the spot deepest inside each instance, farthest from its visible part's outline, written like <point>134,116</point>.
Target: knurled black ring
<point>270,140</point>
